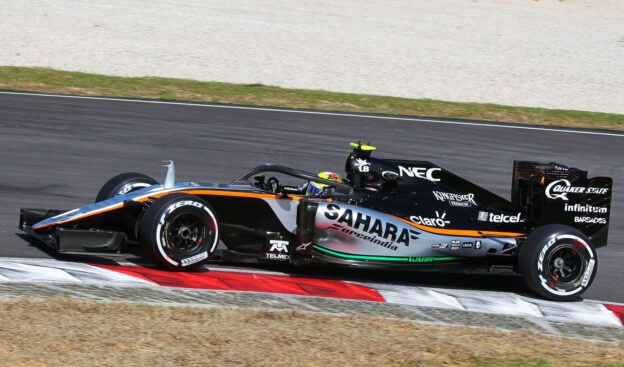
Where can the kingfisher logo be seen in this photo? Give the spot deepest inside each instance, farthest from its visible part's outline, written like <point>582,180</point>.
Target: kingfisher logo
<point>463,200</point>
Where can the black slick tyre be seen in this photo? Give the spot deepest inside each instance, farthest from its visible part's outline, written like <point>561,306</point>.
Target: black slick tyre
<point>179,232</point>
<point>557,262</point>
<point>123,184</point>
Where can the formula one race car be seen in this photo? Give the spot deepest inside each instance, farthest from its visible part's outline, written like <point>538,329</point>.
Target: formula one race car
<point>386,213</point>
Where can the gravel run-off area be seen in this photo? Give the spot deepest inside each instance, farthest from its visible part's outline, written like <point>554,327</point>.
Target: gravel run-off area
<point>565,54</point>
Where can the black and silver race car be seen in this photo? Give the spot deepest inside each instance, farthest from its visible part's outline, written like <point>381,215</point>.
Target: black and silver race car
<point>386,213</point>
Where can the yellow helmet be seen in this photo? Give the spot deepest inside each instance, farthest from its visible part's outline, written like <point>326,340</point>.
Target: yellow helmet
<point>315,188</point>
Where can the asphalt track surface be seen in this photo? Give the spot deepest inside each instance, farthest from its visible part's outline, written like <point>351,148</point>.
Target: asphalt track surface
<point>57,151</point>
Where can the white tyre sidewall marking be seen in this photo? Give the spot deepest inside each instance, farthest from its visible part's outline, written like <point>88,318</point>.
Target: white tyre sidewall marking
<point>588,270</point>
<point>131,187</point>
<point>161,222</point>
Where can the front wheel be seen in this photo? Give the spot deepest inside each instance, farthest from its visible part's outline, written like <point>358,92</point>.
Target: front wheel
<point>557,262</point>
<point>123,184</point>
<point>179,232</point>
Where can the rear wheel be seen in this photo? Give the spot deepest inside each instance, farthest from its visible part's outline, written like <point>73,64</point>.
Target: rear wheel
<point>123,184</point>
<point>557,262</point>
<point>179,232</point>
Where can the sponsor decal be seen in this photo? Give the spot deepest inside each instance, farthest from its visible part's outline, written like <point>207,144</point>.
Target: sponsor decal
<point>420,172</point>
<point>370,238</point>
<point>590,220</point>
<point>303,247</point>
<point>369,228</point>
<point>455,244</point>
<point>478,245</point>
<point>389,175</point>
<point>440,245</point>
<point>278,250</point>
<point>483,216</point>
<point>426,259</point>
<point>561,188</point>
<point>464,200</point>
<point>278,246</point>
<point>362,165</point>
<point>467,245</point>
<point>194,259</point>
<point>438,221</point>
<point>499,218</point>
<point>580,208</point>
<point>131,187</point>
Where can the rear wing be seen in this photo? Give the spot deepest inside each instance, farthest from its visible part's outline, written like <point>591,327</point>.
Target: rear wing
<point>553,193</point>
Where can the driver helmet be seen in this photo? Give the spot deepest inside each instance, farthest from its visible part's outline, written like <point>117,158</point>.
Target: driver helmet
<point>316,188</point>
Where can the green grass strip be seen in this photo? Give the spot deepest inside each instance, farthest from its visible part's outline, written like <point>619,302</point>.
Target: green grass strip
<point>64,82</point>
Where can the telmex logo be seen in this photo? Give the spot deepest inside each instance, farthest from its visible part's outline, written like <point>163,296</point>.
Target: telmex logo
<point>278,250</point>
<point>419,172</point>
<point>561,188</point>
<point>279,246</point>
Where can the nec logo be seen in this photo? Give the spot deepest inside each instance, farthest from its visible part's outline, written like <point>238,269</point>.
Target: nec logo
<point>420,172</point>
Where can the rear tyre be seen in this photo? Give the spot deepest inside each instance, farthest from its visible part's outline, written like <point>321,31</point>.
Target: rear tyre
<point>179,232</point>
<point>557,262</point>
<point>123,184</point>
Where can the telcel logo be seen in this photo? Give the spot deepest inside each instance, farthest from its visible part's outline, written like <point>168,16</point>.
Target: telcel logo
<point>499,218</point>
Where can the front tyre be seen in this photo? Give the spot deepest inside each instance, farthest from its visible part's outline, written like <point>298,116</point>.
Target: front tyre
<point>123,184</point>
<point>557,262</point>
<point>179,232</point>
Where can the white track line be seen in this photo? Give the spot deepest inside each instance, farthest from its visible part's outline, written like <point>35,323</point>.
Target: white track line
<point>412,119</point>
